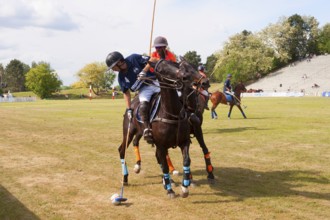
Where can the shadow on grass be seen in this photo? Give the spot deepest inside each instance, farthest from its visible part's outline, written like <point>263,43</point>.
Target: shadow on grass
<point>12,208</point>
<point>241,183</point>
<point>230,130</point>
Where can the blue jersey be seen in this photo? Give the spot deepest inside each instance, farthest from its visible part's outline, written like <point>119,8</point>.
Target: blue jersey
<point>226,85</point>
<point>128,80</point>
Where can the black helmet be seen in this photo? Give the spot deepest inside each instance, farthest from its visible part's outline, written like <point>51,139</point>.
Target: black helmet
<point>201,68</point>
<point>113,58</point>
<point>160,42</point>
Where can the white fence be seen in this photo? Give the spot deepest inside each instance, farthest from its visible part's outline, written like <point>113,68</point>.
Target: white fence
<point>18,99</point>
<point>273,94</point>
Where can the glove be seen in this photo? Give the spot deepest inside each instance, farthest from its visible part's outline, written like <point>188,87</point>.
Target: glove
<point>141,75</point>
<point>129,113</point>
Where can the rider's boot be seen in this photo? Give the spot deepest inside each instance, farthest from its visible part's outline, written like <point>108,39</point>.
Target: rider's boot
<point>206,102</point>
<point>144,112</point>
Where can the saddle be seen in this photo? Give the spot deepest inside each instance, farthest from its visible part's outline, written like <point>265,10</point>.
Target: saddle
<point>153,108</point>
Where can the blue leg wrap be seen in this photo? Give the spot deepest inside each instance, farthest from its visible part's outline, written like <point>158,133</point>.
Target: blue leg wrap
<point>124,167</point>
<point>167,182</point>
<point>186,176</point>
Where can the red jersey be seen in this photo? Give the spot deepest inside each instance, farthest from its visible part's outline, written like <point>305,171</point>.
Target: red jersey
<point>169,56</point>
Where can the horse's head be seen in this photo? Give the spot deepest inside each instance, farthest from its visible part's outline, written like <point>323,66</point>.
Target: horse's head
<point>189,73</point>
<point>240,88</point>
<point>165,68</point>
<point>205,83</point>
<point>182,71</point>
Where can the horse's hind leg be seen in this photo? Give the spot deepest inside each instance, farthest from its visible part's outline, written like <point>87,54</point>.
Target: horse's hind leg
<point>137,166</point>
<point>230,109</point>
<point>213,113</point>
<point>198,132</point>
<point>171,166</point>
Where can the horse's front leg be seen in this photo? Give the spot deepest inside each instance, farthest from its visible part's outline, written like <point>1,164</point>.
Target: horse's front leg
<point>240,108</point>
<point>161,158</point>
<point>186,180</point>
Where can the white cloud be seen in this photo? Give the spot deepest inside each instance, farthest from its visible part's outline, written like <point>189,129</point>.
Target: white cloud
<point>71,34</point>
<point>34,13</point>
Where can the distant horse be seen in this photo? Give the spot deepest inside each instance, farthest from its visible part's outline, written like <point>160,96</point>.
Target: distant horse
<point>254,90</point>
<point>170,127</point>
<point>218,97</point>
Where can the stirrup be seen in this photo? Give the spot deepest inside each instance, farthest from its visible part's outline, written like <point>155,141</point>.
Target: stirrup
<point>147,135</point>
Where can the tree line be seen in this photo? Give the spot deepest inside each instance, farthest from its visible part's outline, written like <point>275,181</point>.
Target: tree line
<point>249,56</point>
<point>246,55</point>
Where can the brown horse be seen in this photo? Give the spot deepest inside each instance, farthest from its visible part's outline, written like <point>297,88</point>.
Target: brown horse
<point>219,97</point>
<point>170,127</point>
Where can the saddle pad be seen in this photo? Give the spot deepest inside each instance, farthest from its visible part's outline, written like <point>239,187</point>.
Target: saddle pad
<point>229,98</point>
<point>153,110</point>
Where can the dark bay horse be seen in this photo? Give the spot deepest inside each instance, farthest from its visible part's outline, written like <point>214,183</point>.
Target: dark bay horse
<point>219,97</point>
<point>170,127</point>
<point>195,105</point>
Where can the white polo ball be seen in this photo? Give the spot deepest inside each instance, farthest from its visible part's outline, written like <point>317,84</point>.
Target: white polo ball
<point>113,199</point>
<point>175,172</point>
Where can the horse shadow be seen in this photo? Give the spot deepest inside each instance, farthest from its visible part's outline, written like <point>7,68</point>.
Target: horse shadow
<point>230,130</point>
<point>234,184</point>
<point>12,208</point>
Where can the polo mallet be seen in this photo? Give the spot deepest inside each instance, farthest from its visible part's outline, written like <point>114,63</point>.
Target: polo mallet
<point>244,106</point>
<point>121,198</point>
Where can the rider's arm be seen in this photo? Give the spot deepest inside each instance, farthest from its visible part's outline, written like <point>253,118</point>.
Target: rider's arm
<point>127,97</point>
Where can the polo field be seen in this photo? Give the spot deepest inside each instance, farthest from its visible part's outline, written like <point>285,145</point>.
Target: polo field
<point>59,160</point>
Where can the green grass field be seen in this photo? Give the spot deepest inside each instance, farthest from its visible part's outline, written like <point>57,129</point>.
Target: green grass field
<point>59,160</point>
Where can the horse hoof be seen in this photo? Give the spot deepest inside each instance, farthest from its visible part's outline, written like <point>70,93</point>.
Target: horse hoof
<point>137,168</point>
<point>211,181</point>
<point>185,192</point>
<point>193,183</point>
<point>175,172</point>
<point>171,194</point>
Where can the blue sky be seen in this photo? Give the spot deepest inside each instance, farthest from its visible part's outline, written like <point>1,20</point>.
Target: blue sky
<point>72,33</point>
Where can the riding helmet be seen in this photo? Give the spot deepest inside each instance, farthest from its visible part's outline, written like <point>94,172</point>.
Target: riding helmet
<point>113,58</point>
<point>160,42</point>
<point>229,75</point>
<point>201,68</point>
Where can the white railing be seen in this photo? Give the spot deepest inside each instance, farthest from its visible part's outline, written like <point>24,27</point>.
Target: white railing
<point>18,99</point>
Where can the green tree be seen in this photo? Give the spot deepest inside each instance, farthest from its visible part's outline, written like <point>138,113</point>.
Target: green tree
<point>245,56</point>
<point>2,75</point>
<point>15,75</point>
<point>97,75</point>
<point>42,80</point>
<point>193,58</point>
<point>324,39</point>
<point>210,64</point>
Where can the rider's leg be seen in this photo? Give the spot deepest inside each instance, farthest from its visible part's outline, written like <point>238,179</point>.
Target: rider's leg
<point>206,96</point>
<point>144,112</point>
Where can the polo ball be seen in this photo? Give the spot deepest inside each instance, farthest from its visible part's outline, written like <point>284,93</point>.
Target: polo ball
<point>113,199</point>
